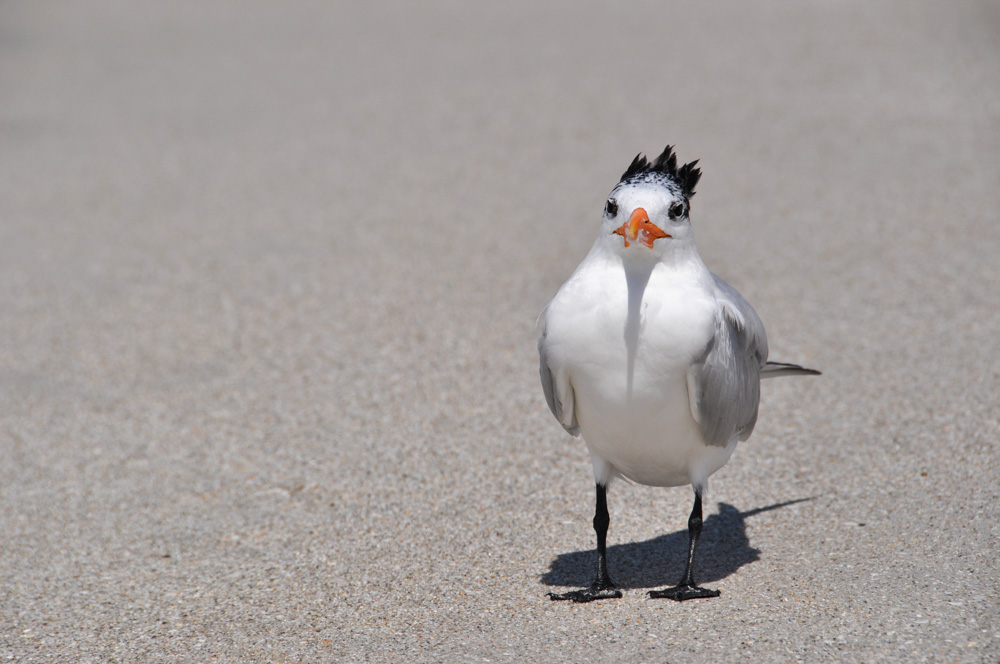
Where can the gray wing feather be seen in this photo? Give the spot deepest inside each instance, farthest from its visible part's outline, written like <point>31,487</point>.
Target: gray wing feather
<point>726,382</point>
<point>551,392</point>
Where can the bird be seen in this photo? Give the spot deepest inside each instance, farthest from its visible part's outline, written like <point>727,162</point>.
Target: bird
<point>652,358</point>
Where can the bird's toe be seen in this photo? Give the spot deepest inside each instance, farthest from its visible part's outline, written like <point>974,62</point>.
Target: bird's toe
<point>683,592</point>
<point>588,594</point>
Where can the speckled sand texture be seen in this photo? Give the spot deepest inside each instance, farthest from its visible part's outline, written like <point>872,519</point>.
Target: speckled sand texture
<point>269,275</point>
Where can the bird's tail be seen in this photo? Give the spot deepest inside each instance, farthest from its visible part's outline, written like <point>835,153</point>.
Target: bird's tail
<point>775,369</point>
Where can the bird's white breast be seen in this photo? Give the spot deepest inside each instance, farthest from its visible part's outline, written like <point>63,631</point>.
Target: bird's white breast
<point>625,339</point>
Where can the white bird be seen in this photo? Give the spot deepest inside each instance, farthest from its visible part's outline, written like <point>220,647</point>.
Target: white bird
<point>652,358</point>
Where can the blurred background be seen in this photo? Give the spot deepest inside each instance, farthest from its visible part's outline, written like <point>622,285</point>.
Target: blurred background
<point>269,276</point>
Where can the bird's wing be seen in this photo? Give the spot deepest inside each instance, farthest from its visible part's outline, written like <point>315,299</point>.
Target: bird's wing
<point>724,386</point>
<point>558,391</point>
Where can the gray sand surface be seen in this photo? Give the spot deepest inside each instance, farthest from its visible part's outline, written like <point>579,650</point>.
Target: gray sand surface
<point>269,275</point>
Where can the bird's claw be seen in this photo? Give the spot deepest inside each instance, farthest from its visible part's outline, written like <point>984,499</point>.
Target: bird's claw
<point>682,592</point>
<point>590,594</point>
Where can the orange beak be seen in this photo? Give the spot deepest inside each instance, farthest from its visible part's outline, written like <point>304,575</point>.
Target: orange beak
<point>640,227</point>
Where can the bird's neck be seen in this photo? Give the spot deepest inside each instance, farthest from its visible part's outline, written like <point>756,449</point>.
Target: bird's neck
<point>679,256</point>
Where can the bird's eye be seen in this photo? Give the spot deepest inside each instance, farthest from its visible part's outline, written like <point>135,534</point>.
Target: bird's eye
<point>676,210</point>
<point>611,207</point>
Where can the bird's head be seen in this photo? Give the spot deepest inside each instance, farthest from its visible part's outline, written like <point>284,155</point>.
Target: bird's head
<point>646,214</point>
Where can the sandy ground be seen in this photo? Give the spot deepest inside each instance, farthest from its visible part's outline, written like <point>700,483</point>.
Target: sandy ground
<point>269,275</point>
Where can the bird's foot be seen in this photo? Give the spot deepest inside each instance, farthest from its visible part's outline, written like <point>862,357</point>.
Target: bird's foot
<point>594,592</point>
<point>682,592</point>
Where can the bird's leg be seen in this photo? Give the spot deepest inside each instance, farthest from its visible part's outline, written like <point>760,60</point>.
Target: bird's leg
<point>601,522</point>
<point>603,587</point>
<point>687,589</point>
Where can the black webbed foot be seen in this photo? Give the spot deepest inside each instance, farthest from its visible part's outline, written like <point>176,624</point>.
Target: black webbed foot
<point>682,592</point>
<point>590,594</point>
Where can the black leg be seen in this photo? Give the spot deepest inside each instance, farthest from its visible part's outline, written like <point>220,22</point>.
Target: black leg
<point>687,589</point>
<point>603,587</point>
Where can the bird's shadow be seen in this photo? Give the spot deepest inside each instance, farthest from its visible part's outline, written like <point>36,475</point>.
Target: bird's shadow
<point>723,548</point>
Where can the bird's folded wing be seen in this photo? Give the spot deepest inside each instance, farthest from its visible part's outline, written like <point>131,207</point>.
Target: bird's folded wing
<point>724,386</point>
<point>558,393</point>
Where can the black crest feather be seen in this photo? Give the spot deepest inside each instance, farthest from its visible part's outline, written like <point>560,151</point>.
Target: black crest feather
<point>685,177</point>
